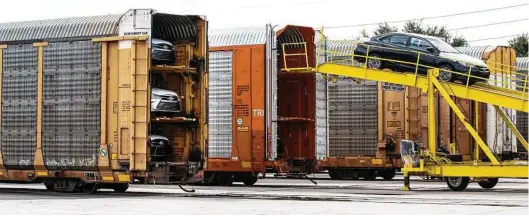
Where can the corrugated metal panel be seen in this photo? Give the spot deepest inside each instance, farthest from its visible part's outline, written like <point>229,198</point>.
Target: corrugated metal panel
<point>475,51</point>
<point>237,36</point>
<point>522,63</point>
<point>71,105</point>
<point>220,104</point>
<point>321,117</point>
<point>353,118</point>
<point>60,28</point>
<point>173,27</point>
<point>19,106</point>
<point>341,51</point>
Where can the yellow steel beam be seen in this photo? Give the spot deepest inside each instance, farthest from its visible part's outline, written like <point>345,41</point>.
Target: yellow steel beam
<point>480,92</point>
<point>511,125</point>
<point>461,117</point>
<point>481,170</point>
<point>476,117</point>
<point>432,125</point>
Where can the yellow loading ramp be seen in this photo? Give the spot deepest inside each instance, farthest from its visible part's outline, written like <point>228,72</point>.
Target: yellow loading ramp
<point>431,163</point>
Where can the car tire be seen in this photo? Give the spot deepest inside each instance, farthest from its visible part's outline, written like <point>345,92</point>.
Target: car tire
<point>457,183</point>
<point>444,75</point>
<point>374,63</point>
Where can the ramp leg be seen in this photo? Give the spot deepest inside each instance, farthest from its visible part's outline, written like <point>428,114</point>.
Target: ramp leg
<point>406,182</point>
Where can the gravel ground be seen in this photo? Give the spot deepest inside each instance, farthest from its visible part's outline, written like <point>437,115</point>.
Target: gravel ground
<point>275,196</point>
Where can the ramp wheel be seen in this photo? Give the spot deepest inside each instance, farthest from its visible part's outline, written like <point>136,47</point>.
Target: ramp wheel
<point>488,183</point>
<point>457,183</point>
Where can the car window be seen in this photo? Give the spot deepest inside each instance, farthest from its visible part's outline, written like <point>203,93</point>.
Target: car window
<point>420,44</point>
<point>398,39</point>
<point>385,39</point>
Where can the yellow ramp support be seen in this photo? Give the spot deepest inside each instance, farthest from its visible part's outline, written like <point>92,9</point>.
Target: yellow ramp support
<point>479,171</point>
<point>480,92</point>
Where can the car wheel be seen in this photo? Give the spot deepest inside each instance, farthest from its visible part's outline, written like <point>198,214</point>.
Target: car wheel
<point>374,62</point>
<point>445,73</point>
<point>488,183</point>
<point>457,183</point>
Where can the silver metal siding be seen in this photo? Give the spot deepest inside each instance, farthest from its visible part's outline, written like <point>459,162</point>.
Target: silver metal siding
<point>522,63</point>
<point>353,118</point>
<point>220,104</point>
<point>60,28</point>
<point>271,90</point>
<point>71,105</point>
<point>321,117</point>
<point>237,36</point>
<point>475,51</point>
<point>19,106</point>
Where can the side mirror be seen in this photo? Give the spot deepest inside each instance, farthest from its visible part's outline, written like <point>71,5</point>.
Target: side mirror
<point>430,50</point>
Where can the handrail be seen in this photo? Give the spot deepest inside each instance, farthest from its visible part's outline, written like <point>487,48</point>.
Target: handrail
<point>509,81</point>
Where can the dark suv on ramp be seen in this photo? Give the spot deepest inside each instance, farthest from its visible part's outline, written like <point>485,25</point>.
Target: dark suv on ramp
<point>434,52</point>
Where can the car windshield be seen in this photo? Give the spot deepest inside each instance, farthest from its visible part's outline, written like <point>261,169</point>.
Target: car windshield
<point>442,46</point>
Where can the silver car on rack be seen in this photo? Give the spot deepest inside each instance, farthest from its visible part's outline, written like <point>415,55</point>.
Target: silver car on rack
<point>163,100</point>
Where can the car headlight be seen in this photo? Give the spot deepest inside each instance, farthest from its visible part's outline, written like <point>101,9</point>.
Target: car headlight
<point>155,97</point>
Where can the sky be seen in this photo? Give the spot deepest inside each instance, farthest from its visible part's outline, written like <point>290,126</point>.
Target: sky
<point>315,13</point>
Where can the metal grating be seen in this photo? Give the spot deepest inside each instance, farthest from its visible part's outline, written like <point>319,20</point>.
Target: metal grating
<point>321,117</point>
<point>353,118</point>
<point>71,105</point>
<point>220,104</point>
<point>522,63</point>
<point>19,106</point>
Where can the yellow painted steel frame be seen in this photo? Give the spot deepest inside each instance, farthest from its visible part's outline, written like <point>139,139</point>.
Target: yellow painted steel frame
<point>434,165</point>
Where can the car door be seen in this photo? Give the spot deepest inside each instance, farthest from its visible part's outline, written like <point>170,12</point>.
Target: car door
<point>423,50</point>
<point>396,50</point>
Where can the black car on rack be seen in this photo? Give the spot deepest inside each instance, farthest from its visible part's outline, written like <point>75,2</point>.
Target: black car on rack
<point>401,51</point>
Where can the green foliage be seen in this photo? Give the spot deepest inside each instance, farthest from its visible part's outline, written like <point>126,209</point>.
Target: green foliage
<point>417,27</point>
<point>519,43</point>
<point>384,28</point>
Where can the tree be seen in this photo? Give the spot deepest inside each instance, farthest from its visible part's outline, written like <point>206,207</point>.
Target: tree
<point>413,26</point>
<point>384,28</point>
<point>416,26</point>
<point>459,41</point>
<point>519,44</point>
